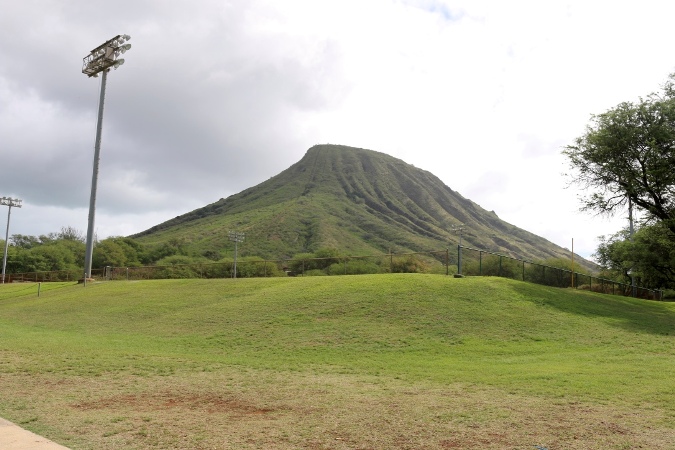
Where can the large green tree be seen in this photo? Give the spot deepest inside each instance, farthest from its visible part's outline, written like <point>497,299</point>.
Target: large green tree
<point>627,153</point>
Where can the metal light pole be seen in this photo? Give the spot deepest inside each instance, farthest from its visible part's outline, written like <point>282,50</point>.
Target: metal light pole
<point>100,60</point>
<point>236,237</point>
<point>631,232</point>
<point>459,229</point>
<point>572,263</point>
<point>7,201</point>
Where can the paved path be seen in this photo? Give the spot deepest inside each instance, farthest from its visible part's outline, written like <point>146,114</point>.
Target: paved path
<point>13,437</point>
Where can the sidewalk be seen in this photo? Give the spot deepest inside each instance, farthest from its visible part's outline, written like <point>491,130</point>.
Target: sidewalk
<point>16,438</point>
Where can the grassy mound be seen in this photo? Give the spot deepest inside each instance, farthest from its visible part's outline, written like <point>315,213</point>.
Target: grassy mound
<point>381,361</point>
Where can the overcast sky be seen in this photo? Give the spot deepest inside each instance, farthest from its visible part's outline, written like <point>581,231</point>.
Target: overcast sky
<point>219,95</point>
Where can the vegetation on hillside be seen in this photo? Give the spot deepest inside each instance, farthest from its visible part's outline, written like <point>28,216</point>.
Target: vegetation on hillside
<point>357,201</point>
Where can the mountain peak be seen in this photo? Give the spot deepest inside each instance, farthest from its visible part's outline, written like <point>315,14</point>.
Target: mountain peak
<point>356,200</point>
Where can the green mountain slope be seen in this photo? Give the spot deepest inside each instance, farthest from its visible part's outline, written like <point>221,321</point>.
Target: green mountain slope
<point>358,201</point>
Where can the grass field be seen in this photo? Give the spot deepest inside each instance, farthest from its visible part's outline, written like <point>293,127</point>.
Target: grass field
<point>402,361</point>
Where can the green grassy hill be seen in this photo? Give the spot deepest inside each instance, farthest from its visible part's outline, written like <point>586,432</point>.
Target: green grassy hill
<point>373,361</point>
<point>357,201</point>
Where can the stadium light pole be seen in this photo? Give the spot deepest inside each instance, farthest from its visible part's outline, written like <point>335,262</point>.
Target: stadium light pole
<point>460,230</point>
<point>100,60</point>
<point>8,201</point>
<point>236,237</point>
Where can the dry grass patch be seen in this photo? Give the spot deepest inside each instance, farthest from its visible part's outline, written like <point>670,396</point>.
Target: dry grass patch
<point>247,409</point>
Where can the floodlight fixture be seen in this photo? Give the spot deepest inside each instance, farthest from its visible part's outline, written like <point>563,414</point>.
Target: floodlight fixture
<point>459,229</point>
<point>105,55</point>
<point>236,237</point>
<point>100,60</point>
<point>11,202</point>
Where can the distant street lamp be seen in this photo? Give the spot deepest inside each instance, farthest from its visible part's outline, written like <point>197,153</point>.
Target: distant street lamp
<point>100,60</point>
<point>7,201</point>
<point>236,237</point>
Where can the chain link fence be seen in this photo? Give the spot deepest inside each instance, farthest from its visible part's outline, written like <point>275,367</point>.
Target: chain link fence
<point>476,262</point>
<point>465,261</point>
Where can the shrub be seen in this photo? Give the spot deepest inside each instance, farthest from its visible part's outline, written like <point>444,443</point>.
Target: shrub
<point>253,266</point>
<point>315,273</point>
<point>354,267</point>
<point>494,265</point>
<point>408,264</point>
<point>176,266</point>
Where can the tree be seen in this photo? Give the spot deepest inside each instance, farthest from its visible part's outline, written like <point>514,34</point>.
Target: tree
<point>45,258</point>
<point>24,241</point>
<point>117,251</point>
<point>174,246</point>
<point>71,234</point>
<point>627,153</point>
<point>649,256</point>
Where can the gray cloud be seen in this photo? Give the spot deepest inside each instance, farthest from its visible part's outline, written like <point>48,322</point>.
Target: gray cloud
<point>219,95</point>
<point>201,109</point>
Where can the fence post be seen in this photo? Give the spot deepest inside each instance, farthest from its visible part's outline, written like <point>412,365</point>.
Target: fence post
<point>480,263</point>
<point>447,261</point>
<point>500,265</point>
<point>523,270</point>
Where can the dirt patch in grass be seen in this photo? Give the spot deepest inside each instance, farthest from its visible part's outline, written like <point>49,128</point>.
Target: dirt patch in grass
<point>247,409</point>
<point>204,403</point>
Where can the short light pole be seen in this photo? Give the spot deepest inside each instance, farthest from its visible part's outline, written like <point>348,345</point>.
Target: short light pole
<point>8,201</point>
<point>459,229</point>
<point>236,237</point>
<point>100,60</point>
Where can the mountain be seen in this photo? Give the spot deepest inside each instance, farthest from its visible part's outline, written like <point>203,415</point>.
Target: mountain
<point>358,201</point>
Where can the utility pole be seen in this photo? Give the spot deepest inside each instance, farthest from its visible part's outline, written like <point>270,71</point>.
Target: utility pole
<point>236,237</point>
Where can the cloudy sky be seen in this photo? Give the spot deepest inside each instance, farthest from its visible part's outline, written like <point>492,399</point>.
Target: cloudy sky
<point>219,95</point>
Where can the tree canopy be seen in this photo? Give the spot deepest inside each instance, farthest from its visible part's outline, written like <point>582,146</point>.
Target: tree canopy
<point>627,153</point>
